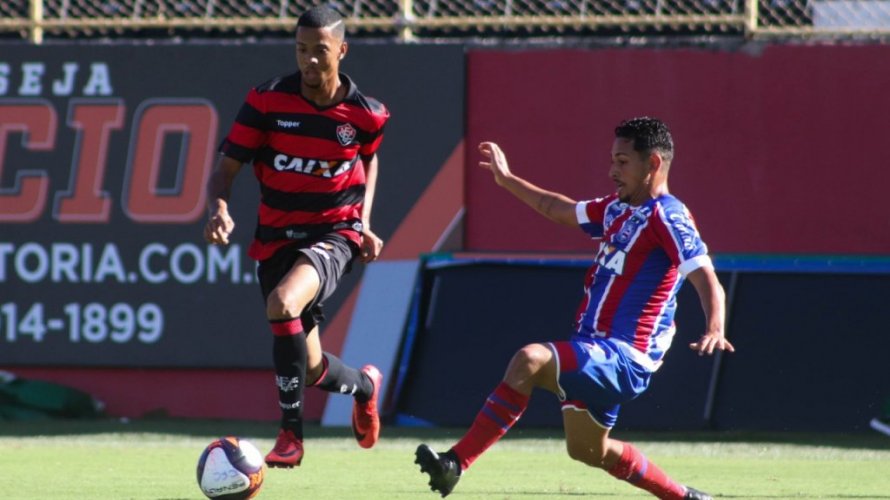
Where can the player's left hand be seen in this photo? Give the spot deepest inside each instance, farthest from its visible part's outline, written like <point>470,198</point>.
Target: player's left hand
<point>372,245</point>
<point>495,161</point>
<point>710,341</point>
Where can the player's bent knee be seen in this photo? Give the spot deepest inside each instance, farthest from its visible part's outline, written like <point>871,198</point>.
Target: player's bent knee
<point>529,368</point>
<point>280,305</point>
<point>533,356</point>
<point>313,373</point>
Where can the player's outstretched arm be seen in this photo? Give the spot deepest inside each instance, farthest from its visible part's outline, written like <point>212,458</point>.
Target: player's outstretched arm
<point>555,206</point>
<point>713,301</point>
<point>219,187</point>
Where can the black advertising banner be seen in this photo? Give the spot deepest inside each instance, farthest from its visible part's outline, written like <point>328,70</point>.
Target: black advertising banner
<point>104,154</point>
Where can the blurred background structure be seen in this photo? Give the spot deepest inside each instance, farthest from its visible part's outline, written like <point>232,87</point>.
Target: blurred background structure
<point>111,112</point>
<point>427,19</point>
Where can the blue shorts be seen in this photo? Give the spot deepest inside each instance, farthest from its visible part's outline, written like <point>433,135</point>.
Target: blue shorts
<point>595,375</point>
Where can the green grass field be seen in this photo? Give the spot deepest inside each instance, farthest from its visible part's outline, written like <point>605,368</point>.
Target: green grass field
<point>155,459</point>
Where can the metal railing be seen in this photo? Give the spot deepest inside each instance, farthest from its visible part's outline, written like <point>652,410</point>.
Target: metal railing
<point>414,19</point>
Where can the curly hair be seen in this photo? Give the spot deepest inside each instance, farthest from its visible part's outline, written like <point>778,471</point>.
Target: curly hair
<point>648,135</point>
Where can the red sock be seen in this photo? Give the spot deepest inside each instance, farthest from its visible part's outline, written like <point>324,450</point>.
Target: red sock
<point>286,327</point>
<point>501,410</point>
<point>637,470</point>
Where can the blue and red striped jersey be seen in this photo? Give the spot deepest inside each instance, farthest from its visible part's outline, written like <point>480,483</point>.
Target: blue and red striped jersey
<point>308,160</point>
<point>644,254</point>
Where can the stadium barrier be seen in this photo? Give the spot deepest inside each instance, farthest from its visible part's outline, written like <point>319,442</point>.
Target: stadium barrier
<point>72,263</point>
<point>410,19</point>
<point>808,356</point>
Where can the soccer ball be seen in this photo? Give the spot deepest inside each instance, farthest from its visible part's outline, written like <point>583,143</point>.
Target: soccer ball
<point>231,468</point>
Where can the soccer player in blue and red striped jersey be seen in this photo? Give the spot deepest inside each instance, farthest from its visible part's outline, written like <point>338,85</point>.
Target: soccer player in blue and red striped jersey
<point>648,245</point>
<point>312,137</point>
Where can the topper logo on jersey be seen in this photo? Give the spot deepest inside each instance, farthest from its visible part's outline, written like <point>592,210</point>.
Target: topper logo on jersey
<point>345,134</point>
<point>287,123</point>
<point>320,168</point>
<point>611,258</point>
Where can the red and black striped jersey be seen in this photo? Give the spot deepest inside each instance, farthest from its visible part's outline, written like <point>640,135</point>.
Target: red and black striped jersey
<point>309,160</point>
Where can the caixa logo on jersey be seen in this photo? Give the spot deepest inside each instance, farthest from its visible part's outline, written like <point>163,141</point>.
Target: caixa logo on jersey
<point>345,134</point>
<point>611,257</point>
<point>319,168</point>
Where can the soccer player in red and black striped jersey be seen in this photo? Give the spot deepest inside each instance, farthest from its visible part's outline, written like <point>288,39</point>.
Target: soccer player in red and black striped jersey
<point>312,137</point>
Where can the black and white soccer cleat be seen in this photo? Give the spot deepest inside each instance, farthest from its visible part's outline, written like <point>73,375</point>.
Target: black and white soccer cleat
<point>694,494</point>
<point>444,469</point>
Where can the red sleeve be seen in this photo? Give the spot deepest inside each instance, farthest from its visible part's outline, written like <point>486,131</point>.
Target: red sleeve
<point>248,132</point>
<point>379,116</point>
<point>596,209</point>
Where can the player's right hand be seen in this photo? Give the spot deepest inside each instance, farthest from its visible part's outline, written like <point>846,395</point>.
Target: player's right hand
<point>218,228</point>
<point>495,161</point>
<point>710,342</point>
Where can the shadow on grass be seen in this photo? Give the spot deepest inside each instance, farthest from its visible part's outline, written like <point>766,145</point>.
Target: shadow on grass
<point>268,429</point>
<point>860,440</point>
<point>826,495</point>
<point>541,494</point>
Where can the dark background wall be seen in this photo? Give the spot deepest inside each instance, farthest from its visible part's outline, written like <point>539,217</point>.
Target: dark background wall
<point>778,147</point>
<point>778,153</point>
<point>214,340</point>
<point>810,349</point>
<point>767,140</point>
<point>156,115</point>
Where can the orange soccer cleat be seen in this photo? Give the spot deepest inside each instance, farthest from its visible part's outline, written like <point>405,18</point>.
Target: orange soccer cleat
<point>287,452</point>
<point>365,419</point>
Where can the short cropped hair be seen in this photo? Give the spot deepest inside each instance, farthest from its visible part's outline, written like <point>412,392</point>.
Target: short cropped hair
<point>322,16</point>
<point>648,135</point>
